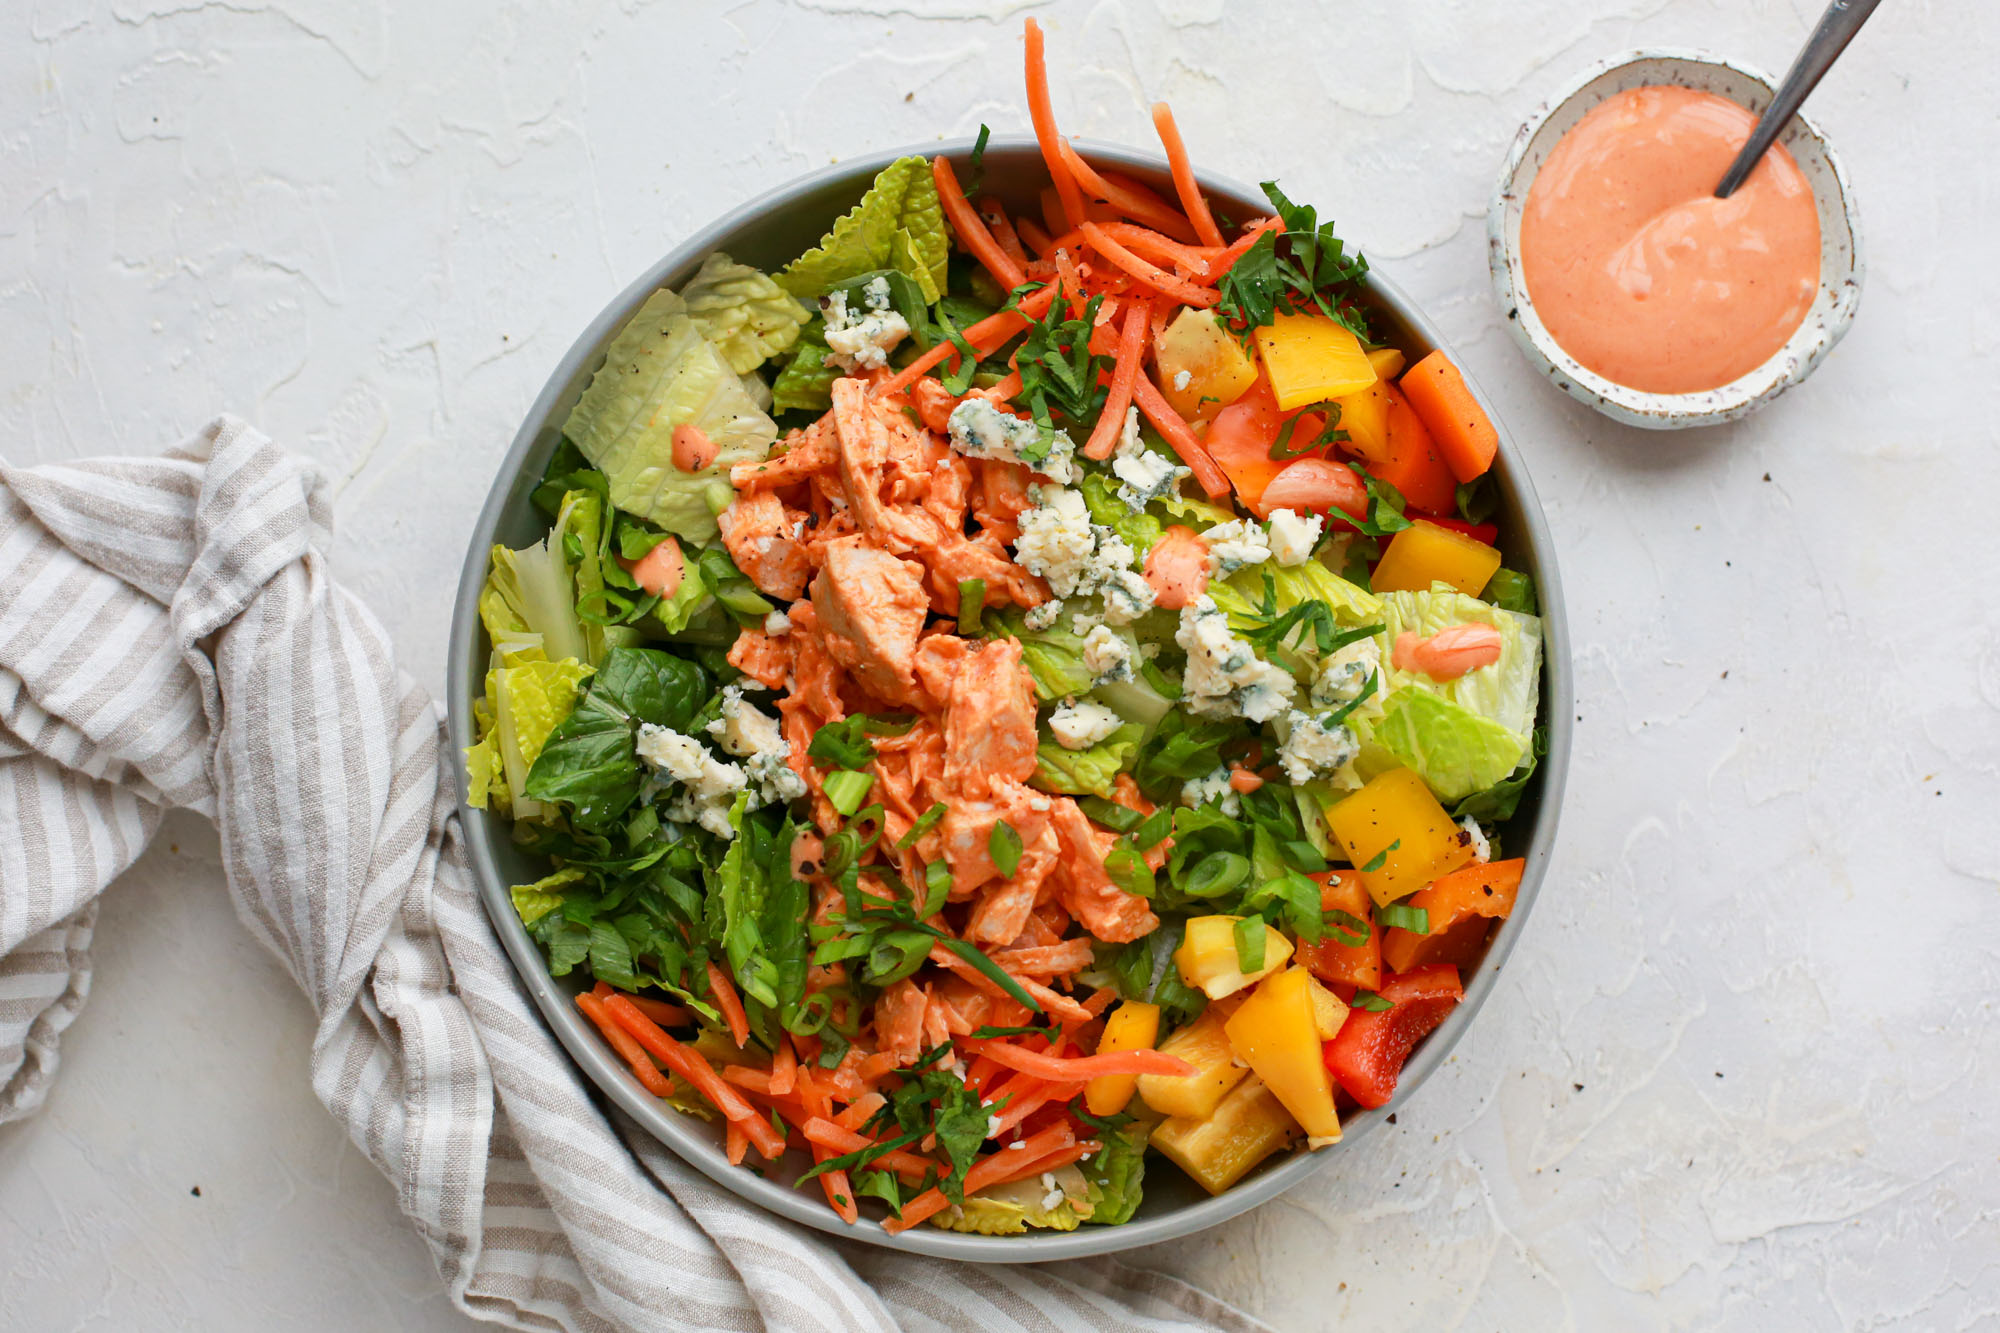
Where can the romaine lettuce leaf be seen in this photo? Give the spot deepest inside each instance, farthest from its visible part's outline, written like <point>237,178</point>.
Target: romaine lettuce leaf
<point>899,224</point>
<point>1011,1208</point>
<point>1100,496</point>
<point>1054,656</point>
<point>659,373</point>
<point>1090,771</point>
<point>1506,692</point>
<point>806,382</point>
<point>1116,1172</point>
<point>527,697</point>
<point>763,909</point>
<point>746,314</point>
<point>1454,749</point>
<point>1292,584</point>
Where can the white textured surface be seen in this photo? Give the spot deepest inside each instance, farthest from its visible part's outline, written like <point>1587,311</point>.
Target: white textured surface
<point>1743,1067</point>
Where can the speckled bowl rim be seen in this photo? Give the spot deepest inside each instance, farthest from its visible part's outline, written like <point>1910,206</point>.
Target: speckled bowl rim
<point>1532,835</point>
<point>1826,322</point>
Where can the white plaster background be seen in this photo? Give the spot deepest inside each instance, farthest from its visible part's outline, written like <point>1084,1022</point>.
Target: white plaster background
<point>1742,1072</point>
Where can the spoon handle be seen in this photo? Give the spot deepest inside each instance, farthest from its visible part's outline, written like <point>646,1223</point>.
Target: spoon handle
<point>1843,18</point>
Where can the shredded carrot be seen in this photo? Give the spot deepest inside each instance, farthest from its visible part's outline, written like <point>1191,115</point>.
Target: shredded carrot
<point>1068,279</point>
<point>839,1193</point>
<point>984,336</point>
<point>1007,389</point>
<point>1050,1161</point>
<point>1192,203</point>
<point>1170,424</point>
<point>971,231</point>
<point>1035,236</point>
<point>649,1076</point>
<point>1030,1098</point>
<point>1101,999</point>
<point>989,1170</point>
<point>1137,203</point>
<point>784,1067</point>
<point>995,217</point>
<point>1219,268</point>
<point>1196,261</point>
<point>749,1078</point>
<point>666,1015</point>
<point>1124,371</point>
<point>731,1005</point>
<point>856,1115</point>
<point>1042,113</point>
<point>735,1143</point>
<point>692,1066</point>
<point>1187,293</point>
<point>823,1133</point>
<point>1082,1068</point>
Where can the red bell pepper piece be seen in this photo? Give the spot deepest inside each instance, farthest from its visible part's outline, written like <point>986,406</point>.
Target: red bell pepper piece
<point>1479,532</point>
<point>1368,1052</point>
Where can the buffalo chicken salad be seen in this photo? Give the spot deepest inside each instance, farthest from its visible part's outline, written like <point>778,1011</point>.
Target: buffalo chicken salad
<point>1025,690</point>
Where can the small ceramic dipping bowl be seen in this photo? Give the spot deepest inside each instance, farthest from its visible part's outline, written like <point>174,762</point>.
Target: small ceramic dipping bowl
<point>1840,264</point>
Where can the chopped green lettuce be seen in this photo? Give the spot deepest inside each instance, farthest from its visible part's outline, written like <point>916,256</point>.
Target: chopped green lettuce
<point>534,901</point>
<point>1511,590</point>
<point>1457,751</point>
<point>806,382</point>
<point>660,373</point>
<point>1089,771</point>
<point>898,224</point>
<point>527,697</point>
<point>746,314</point>
<point>1115,1173</point>
<point>1505,692</point>
<point>1053,656</point>
<point>1011,1208</point>
<point>1100,496</point>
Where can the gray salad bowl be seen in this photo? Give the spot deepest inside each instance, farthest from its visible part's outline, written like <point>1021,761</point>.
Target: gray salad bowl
<point>768,232</point>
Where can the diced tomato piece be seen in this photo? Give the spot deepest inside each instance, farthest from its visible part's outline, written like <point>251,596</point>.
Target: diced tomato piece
<point>1367,1055</point>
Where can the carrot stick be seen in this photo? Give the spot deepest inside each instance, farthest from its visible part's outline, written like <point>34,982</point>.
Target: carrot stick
<point>784,1067</point>
<point>731,1005</point>
<point>855,1116</point>
<point>984,336</point>
<point>1169,423</point>
<point>692,1066</point>
<point>1050,1161</point>
<point>1043,114</point>
<point>1139,205</point>
<point>971,231</point>
<point>995,217</point>
<point>735,1143</point>
<point>1463,432</point>
<point>1192,203</point>
<point>1081,1068</point>
<point>649,1076</point>
<point>1187,293</point>
<point>1032,1099</point>
<point>826,1134</point>
<point>1149,244</point>
<point>1241,245</point>
<point>986,1171</point>
<point>750,1079</point>
<point>1035,236</point>
<point>1125,369</point>
<point>839,1193</point>
<point>666,1015</point>
<point>1007,389</point>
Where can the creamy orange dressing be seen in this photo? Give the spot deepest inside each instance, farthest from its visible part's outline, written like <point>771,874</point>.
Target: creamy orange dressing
<point>1640,272</point>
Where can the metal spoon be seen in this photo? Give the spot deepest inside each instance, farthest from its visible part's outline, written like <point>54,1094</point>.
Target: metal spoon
<point>1843,18</point>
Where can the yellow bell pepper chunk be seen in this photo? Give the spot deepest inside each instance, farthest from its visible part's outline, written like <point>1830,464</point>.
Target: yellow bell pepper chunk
<point>1365,418</point>
<point>1132,1026</point>
<point>1388,362</point>
<point>1328,1012</point>
<point>1311,358</point>
<point>1277,1034</point>
<point>1218,370</point>
<point>1205,1045</point>
<point>1208,961</point>
<point>1424,553</point>
<point>1397,835</point>
<point>1218,1149</point>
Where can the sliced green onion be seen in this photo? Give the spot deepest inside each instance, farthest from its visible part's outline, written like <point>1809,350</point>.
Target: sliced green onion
<point>847,789</point>
<point>1118,818</point>
<point>1396,916</point>
<point>1217,874</point>
<point>971,601</point>
<point>1345,928</point>
<point>867,822</point>
<point>897,724</point>
<point>1003,844</point>
<point>843,849</point>
<point>992,970</point>
<point>926,821</point>
<point>1370,1002</point>
<point>1381,858</point>
<point>811,1015</point>
<point>1250,944</point>
<point>1155,827</point>
<point>937,884</point>
<point>1304,856</point>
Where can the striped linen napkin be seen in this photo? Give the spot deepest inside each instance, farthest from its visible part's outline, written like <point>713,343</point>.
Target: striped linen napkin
<point>170,635</point>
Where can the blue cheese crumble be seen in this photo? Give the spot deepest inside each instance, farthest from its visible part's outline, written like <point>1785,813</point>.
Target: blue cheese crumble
<point>1078,726</point>
<point>1225,677</point>
<point>1344,676</point>
<point>862,339</point>
<point>1213,786</point>
<point>978,429</point>
<point>707,786</point>
<point>1143,475</point>
<point>1077,557</point>
<point>1293,536</point>
<point>1107,655</point>
<point>1311,747</point>
<point>1235,545</point>
<point>750,734</point>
